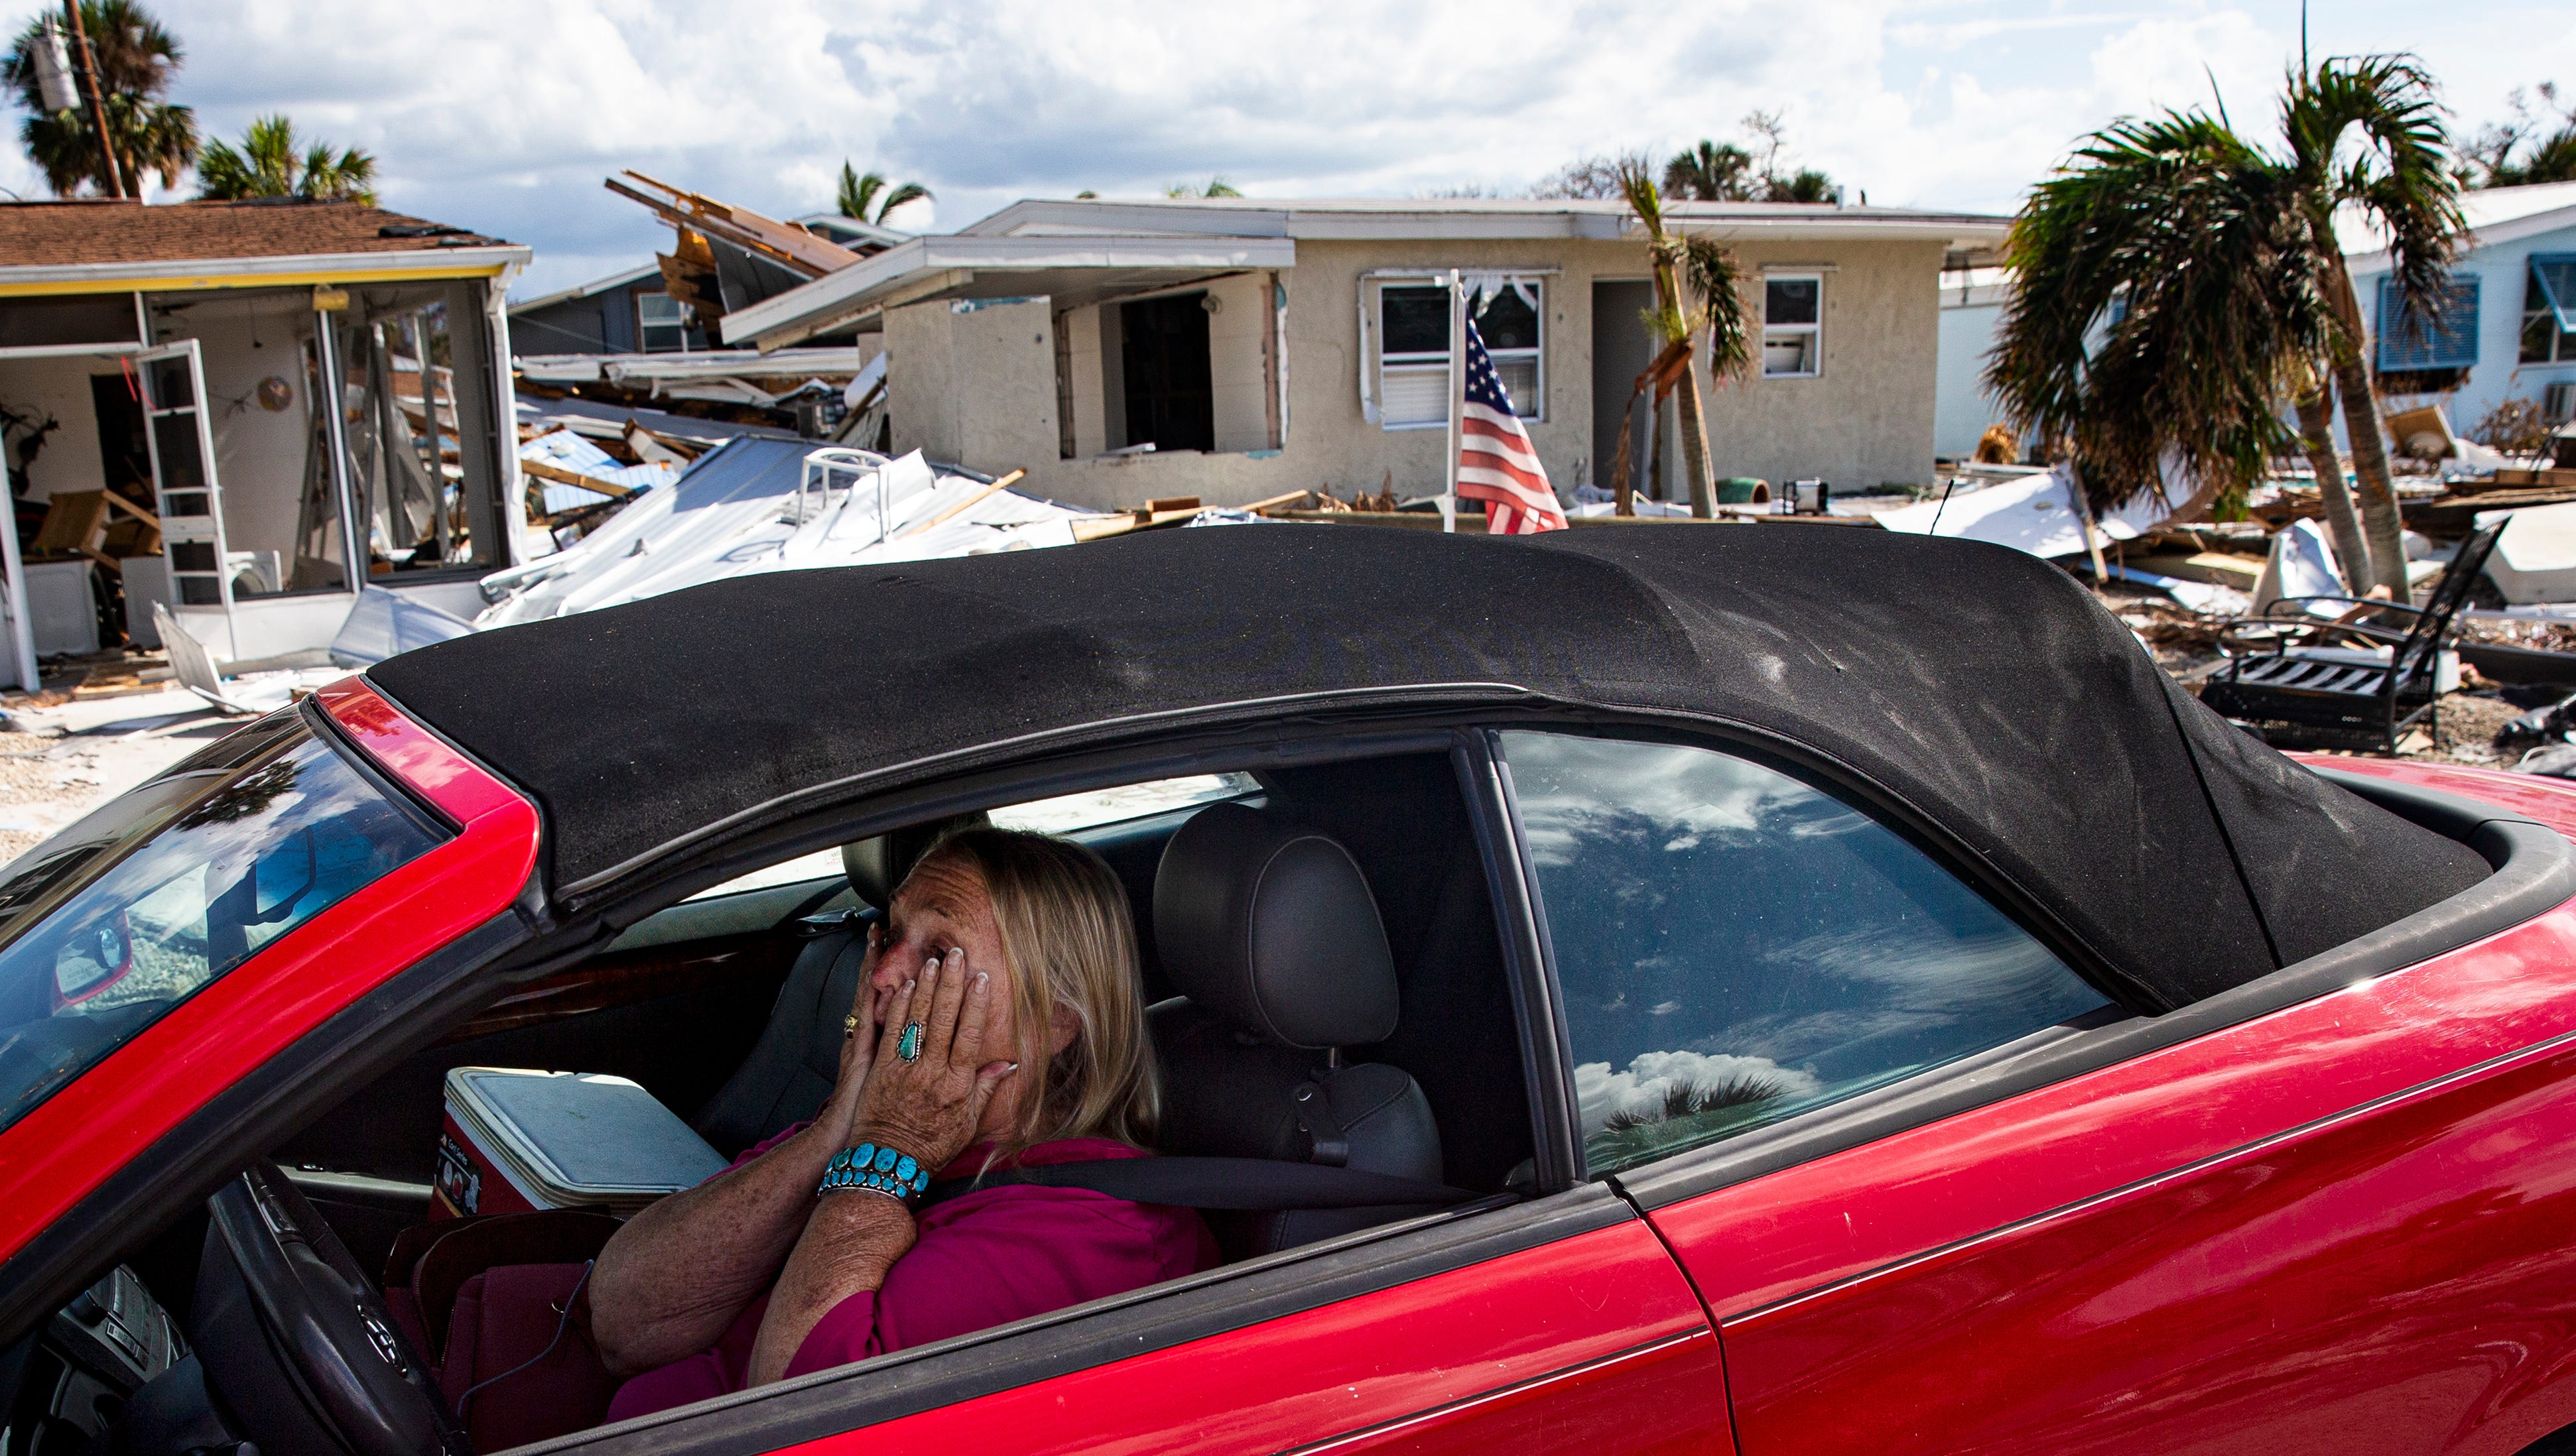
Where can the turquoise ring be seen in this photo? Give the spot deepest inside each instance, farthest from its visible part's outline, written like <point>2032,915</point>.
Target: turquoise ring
<point>909,1046</point>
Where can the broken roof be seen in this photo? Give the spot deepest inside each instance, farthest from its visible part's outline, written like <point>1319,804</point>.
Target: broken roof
<point>1973,692</point>
<point>214,244</point>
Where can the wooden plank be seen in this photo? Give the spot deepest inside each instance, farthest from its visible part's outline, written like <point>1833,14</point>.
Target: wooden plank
<point>809,252</point>
<point>542,471</point>
<point>963,506</point>
<point>75,520</point>
<point>2218,568</point>
<point>131,509</point>
<point>1279,502</point>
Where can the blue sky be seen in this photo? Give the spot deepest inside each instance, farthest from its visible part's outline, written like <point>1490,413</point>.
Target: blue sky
<point>504,115</point>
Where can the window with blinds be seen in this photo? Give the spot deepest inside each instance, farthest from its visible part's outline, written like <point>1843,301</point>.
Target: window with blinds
<point>1413,350</point>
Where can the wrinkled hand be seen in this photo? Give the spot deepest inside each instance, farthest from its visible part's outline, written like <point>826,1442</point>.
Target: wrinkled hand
<point>858,1045</point>
<point>928,1105</point>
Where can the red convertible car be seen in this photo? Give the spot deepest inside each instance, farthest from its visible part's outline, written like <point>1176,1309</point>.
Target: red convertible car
<point>1866,1006</point>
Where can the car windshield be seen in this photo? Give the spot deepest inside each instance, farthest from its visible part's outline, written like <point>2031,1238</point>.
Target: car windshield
<point>108,925</point>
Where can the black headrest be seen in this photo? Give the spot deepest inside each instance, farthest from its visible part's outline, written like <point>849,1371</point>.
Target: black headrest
<point>1271,926</point>
<point>877,866</point>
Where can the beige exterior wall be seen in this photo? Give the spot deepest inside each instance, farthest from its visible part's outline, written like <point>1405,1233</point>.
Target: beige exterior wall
<point>973,385</point>
<point>969,387</point>
<point>1866,419</point>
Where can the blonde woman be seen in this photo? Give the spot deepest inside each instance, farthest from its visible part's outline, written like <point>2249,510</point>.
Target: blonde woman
<point>1003,1028</point>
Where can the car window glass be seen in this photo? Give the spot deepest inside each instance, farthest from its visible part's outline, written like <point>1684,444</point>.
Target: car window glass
<point>138,906</point>
<point>1073,813</point>
<point>1735,946</point>
<point>1069,814</point>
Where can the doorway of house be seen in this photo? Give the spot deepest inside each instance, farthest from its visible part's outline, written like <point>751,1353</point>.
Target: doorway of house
<point>124,457</point>
<point>1171,399</point>
<point>1621,349</point>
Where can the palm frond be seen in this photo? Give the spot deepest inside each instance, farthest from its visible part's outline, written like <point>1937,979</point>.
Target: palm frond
<point>1716,276</point>
<point>2166,284</point>
<point>2401,177</point>
<point>858,190</point>
<point>907,192</point>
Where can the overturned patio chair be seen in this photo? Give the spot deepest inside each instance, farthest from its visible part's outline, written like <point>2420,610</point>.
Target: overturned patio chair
<point>2296,680</point>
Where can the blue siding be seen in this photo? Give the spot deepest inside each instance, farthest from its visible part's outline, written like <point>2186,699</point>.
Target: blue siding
<point>2447,339</point>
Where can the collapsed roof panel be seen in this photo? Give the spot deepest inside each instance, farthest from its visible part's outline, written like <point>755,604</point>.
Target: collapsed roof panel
<point>759,505</point>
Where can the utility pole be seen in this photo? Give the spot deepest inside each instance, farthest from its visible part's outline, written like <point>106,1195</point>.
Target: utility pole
<point>97,100</point>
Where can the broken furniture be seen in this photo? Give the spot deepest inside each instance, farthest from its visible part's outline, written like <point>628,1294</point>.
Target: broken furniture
<point>2298,681</point>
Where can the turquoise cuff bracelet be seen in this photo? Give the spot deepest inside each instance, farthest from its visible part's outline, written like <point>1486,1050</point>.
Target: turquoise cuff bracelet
<point>876,1169</point>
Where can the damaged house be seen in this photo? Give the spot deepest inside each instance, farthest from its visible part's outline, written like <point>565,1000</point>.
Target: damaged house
<point>247,411</point>
<point>1238,349</point>
<point>652,336</point>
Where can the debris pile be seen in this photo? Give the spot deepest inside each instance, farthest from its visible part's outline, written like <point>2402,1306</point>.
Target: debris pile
<point>757,505</point>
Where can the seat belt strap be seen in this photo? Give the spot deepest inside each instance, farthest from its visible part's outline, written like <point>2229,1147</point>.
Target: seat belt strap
<point>1243,1185</point>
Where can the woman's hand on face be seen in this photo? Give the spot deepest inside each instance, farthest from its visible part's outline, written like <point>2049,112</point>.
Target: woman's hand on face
<point>925,1084</point>
<point>858,1044</point>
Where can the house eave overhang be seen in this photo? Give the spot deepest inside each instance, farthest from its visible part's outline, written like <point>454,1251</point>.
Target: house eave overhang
<point>964,266</point>
<point>2495,234</point>
<point>591,289</point>
<point>180,275</point>
<point>1475,219</point>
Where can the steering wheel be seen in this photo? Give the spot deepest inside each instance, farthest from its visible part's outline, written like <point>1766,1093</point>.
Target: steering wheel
<point>297,1340</point>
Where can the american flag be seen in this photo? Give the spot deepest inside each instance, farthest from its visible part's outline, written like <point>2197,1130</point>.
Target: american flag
<point>1495,462</point>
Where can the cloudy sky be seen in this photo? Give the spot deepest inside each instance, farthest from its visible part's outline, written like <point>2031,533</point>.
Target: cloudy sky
<point>503,115</point>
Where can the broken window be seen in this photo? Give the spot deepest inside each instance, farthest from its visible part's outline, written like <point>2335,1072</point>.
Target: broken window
<point>1793,314</point>
<point>2549,309</point>
<point>423,456</point>
<point>1170,388</point>
<point>661,324</point>
<point>1413,348</point>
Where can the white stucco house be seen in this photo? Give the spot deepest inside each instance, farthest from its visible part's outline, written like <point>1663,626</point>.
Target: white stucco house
<point>1237,349</point>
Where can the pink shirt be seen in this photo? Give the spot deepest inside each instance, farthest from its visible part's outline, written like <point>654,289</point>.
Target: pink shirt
<point>981,1259</point>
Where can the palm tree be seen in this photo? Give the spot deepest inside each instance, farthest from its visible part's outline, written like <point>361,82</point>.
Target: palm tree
<point>2176,282</point>
<point>2400,179</point>
<point>1805,185</point>
<point>869,197</point>
<point>1711,172</point>
<point>1215,186</point>
<point>136,57</point>
<point>1714,303</point>
<point>273,162</point>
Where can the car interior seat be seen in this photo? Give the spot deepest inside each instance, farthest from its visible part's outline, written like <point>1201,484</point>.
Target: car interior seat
<point>1270,932</point>
<point>792,1066</point>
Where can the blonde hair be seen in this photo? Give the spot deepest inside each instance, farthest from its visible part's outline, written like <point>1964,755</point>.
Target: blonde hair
<point>1071,943</point>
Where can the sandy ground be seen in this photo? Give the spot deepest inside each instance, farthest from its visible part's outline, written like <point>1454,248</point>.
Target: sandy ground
<point>58,763</point>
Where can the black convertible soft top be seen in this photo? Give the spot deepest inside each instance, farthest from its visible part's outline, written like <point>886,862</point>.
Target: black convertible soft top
<point>1986,690</point>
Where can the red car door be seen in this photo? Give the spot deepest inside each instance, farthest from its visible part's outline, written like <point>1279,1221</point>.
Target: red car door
<point>2342,1223</point>
<point>1592,1341</point>
<point>1556,1324</point>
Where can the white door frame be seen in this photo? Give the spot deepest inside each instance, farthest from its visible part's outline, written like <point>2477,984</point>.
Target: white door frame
<point>208,528</point>
<point>22,632</point>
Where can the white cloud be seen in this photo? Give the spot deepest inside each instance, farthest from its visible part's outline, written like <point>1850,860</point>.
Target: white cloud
<point>1601,1093</point>
<point>504,115</point>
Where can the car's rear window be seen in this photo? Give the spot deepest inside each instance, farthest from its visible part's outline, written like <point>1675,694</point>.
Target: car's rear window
<point>120,917</point>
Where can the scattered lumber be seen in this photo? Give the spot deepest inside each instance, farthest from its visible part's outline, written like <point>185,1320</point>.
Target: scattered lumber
<point>2455,515</point>
<point>782,242</point>
<point>556,473</point>
<point>1005,483</point>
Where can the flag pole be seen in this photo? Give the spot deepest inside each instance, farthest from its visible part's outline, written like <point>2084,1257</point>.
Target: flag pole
<point>1457,398</point>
